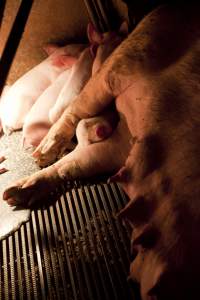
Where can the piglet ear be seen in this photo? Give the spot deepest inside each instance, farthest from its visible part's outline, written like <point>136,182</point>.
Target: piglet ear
<point>64,61</point>
<point>50,48</point>
<point>94,36</point>
<point>123,29</point>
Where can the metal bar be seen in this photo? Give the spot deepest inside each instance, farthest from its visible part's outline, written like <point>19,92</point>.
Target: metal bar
<point>71,275</point>
<point>97,15</point>
<point>25,259</point>
<point>39,257</point>
<point>123,197</point>
<point>102,242</point>
<point>111,201</point>
<point>112,249</point>
<point>2,8</point>
<point>123,234</point>
<point>92,14</point>
<point>44,249</point>
<point>12,267</point>
<point>53,259</point>
<point>74,222</point>
<point>75,251</point>
<point>102,12</point>
<point>13,40</point>
<point>93,242</point>
<point>19,269</point>
<point>31,259</point>
<point>121,200</point>
<point>60,260</point>
<point>114,233</point>
<point>1,271</point>
<point>5,270</point>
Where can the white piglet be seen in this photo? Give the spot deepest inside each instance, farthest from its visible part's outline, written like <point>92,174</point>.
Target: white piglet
<point>37,122</point>
<point>25,91</point>
<point>80,74</point>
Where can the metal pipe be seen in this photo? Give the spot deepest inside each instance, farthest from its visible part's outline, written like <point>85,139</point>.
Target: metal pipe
<point>97,14</point>
<point>13,40</point>
<point>2,8</point>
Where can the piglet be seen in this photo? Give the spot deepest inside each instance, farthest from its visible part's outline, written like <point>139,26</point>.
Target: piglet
<point>24,92</point>
<point>37,121</point>
<point>80,74</point>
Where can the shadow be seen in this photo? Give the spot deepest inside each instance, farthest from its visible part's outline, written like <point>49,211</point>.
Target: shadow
<point>44,203</point>
<point>13,39</point>
<point>2,7</point>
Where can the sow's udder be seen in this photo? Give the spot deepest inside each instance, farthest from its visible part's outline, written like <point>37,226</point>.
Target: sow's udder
<point>161,178</point>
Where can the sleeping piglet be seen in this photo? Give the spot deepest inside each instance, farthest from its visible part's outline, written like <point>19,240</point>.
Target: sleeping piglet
<point>80,74</point>
<point>37,123</point>
<point>24,92</point>
<point>54,99</point>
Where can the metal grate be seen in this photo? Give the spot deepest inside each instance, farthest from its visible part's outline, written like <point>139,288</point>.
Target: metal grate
<point>74,249</point>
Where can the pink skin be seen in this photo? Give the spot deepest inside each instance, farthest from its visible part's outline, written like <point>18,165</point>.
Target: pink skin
<point>87,65</point>
<point>25,91</point>
<point>1,128</point>
<point>68,85</point>
<point>80,74</point>
<point>104,44</point>
<point>5,90</point>
<point>154,149</point>
<point>37,122</point>
<point>82,162</point>
<point>96,129</point>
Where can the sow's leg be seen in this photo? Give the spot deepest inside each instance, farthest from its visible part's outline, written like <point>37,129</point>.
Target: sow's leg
<point>83,162</point>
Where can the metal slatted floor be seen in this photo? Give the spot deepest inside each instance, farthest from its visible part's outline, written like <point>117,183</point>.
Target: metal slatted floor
<point>74,249</point>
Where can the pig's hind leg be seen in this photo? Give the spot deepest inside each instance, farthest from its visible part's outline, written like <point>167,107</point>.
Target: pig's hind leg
<point>83,162</point>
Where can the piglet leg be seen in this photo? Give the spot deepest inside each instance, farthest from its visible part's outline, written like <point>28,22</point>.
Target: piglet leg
<point>83,162</point>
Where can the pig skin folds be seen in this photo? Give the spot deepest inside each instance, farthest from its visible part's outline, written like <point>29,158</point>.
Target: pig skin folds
<point>154,77</point>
